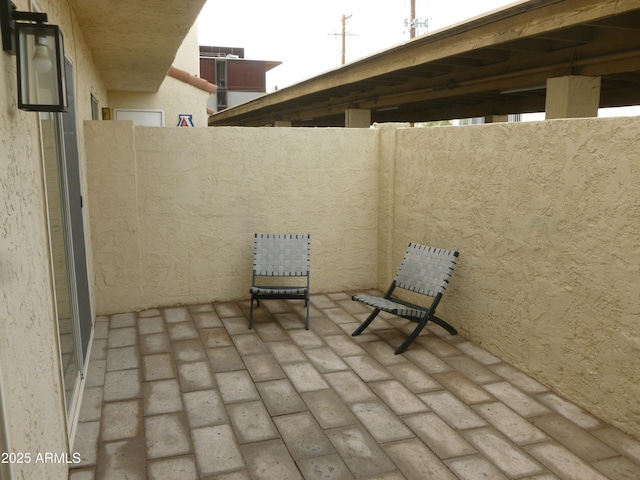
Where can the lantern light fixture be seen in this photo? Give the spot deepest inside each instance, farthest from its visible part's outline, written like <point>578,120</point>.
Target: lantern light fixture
<point>39,51</point>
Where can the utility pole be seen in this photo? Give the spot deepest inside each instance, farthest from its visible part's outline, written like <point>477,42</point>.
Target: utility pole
<point>344,36</point>
<point>412,20</point>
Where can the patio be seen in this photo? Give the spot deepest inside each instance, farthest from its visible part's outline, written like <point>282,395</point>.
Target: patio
<point>191,392</point>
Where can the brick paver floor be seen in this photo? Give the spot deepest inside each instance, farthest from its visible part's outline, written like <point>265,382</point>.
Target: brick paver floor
<point>191,393</point>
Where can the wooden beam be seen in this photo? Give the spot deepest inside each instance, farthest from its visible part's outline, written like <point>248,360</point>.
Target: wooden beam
<point>514,48</point>
<point>525,20</point>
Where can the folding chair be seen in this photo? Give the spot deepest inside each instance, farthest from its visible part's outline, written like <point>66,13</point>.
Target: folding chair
<point>424,270</point>
<point>276,255</point>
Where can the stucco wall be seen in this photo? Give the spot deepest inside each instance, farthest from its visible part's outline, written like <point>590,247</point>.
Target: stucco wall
<point>546,217</point>
<point>31,379</point>
<point>29,354</point>
<point>174,211</point>
<point>174,97</point>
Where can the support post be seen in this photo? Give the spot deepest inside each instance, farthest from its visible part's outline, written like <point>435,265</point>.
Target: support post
<point>496,119</point>
<point>357,118</point>
<point>572,97</point>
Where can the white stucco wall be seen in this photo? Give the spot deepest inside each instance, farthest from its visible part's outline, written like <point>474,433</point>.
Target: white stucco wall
<point>544,215</point>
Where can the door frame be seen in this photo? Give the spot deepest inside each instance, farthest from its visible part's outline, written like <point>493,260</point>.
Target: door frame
<point>5,468</point>
<point>70,191</point>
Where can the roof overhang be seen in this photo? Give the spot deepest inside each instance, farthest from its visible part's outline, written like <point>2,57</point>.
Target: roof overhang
<point>491,65</point>
<point>270,65</point>
<point>134,42</point>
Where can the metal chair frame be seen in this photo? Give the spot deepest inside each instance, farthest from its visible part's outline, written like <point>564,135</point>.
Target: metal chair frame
<point>280,255</point>
<point>424,270</point>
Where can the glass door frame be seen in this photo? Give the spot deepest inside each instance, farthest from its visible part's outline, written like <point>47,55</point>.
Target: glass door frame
<point>67,172</point>
<point>5,468</point>
<point>71,406</point>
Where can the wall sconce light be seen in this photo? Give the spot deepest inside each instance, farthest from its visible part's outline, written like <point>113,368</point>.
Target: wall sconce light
<point>39,51</point>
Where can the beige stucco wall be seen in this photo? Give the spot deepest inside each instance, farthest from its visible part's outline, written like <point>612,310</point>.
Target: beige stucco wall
<point>31,379</point>
<point>29,354</point>
<point>174,211</point>
<point>546,217</point>
<point>35,419</point>
<point>174,97</point>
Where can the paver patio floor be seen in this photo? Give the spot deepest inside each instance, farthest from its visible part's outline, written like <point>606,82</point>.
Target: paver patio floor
<point>191,393</point>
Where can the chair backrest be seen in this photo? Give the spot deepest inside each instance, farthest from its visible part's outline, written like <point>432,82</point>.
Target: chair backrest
<point>281,255</point>
<point>426,270</point>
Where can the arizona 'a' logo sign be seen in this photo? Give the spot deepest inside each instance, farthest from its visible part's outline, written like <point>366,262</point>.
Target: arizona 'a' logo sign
<point>186,120</point>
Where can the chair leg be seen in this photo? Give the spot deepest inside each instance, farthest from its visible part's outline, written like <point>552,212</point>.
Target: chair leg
<point>251,314</point>
<point>444,325</point>
<point>307,322</point>
<point>409,340</point>
<point>366,323</point>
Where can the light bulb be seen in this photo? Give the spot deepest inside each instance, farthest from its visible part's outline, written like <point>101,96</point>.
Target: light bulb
<point>41,59</point>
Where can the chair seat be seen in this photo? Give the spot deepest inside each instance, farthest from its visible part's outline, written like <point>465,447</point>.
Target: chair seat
<point>425,271</point>
<point>390,306</point>
<point>282,256</point>
<point>279,290</point>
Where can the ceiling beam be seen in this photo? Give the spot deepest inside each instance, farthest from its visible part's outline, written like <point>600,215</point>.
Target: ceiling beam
<point>466,66</point>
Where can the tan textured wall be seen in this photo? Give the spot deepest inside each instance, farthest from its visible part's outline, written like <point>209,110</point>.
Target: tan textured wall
<point>174,213</point>
<point>29,354</point>
<point>174,97</point>
<point>544,214</point>
<point>546,217</point>
<point>31,379</point>
<point>113,207</point>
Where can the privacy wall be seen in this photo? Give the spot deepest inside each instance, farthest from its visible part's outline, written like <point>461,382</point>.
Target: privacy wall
<point>174,211</point>
<point>546,218</point>
<point>544,214</point>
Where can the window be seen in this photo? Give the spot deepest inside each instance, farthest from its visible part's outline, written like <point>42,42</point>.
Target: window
<point>222,99</point>
<point>221,82</point>
<point>95,111</point>
<point>141,118</point>
<point>221,73</point>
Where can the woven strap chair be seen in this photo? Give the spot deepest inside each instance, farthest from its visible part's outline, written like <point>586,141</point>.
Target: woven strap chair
<point>424,270</point>
<point>276,255</point>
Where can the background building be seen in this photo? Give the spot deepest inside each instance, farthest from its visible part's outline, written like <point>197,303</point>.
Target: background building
<point>238,79</point>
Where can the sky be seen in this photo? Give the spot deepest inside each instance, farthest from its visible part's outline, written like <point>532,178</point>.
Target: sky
<point>305,35</point>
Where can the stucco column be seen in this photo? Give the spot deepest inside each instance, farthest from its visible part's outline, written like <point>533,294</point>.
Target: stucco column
<point>496,119</point>
<point>282,123</point>
<point>357,118</point>
<point>572,97</point>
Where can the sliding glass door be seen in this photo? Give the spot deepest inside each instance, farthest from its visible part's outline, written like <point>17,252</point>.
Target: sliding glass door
<point>61,252</point>
<point>66,231</point>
